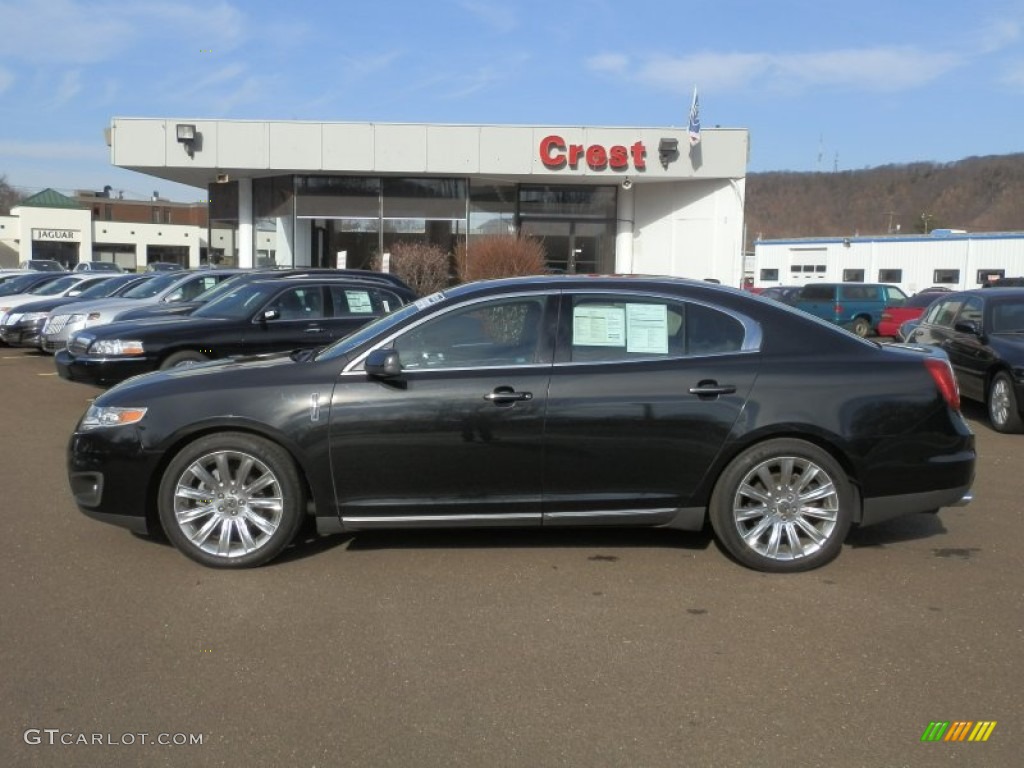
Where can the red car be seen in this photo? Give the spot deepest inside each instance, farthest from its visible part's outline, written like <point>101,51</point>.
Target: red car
<point>895,315</point>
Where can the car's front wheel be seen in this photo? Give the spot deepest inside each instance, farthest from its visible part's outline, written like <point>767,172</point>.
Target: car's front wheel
<point>231,500</point>
<point>185,357</point>
<point>1003,409</point>
<point>783,505</point>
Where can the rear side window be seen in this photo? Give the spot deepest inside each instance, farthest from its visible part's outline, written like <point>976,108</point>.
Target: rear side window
<point>817,292</point>
<point>630,329</point>
<point>347,300</point>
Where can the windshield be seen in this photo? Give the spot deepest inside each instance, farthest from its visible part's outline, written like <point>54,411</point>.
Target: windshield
<point>238,303</point>
<point>221,288</point>
<point>365,333</point>
<point>56,287</point>
<point>107,287</point>
<point>152,287</point>
<point>18,285</point>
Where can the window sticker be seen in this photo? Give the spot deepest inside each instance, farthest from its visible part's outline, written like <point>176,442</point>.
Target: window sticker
<point>594,326</point>
<point>359,302</point>
<point>647,328</point>
<point>426,301</point>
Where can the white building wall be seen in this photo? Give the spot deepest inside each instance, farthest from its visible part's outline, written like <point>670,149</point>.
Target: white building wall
<point>921,259</point>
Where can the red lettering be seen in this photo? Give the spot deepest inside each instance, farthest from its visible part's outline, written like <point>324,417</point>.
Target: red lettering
<point>552,149</point>
<point>638,151</point>
<point>556,154</point>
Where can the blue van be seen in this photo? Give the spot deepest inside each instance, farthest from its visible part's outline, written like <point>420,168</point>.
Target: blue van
<point>855,306</point>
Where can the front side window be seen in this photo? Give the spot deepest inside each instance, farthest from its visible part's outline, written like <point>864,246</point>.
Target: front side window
<point>944,313</point>
<point>299,304</point>
<point>492,334</point>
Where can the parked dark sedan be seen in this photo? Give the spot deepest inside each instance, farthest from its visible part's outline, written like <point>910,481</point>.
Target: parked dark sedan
<point>22,328</point>
<point>543,401</point>
<point>256,316</point>
<point>188,307</point>
<point>982,332</point>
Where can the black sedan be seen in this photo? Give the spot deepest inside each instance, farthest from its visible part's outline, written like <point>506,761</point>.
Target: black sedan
<point>982,333</point>
<point>256,316</point>
<point>542,401</point>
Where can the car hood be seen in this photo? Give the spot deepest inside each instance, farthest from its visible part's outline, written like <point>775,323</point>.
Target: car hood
<point>202,376</point>
<point>122,329</point>
<point>48,305</point>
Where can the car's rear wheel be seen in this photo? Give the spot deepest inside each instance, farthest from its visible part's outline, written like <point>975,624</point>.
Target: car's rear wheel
<point>231,500</point>
<point>783,505</point>
<point>1003,409</point>
<point>861,326</point>
<point>185,357</point>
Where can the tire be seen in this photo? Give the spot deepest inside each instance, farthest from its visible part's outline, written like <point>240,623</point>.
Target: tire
<point>231,524</point>
<point>861,326</point>
<point>1003,409</point>
<point>185,357</point>
<point>756,518</point>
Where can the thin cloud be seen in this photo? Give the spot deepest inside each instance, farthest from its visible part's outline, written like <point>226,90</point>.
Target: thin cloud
<point>614,63</point>
<point>6,80</point>
<point>499,16</point>
<point>69,87</point>
<point>871,69</point>
<point>51,150</point>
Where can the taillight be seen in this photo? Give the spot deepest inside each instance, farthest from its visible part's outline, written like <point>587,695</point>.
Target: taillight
<point>838,309</point>
<point>886,316</point>
<point>942,372</point>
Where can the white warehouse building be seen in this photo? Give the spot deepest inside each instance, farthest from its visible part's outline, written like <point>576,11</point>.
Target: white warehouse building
<point>627,200</point>
<point>946,258</point>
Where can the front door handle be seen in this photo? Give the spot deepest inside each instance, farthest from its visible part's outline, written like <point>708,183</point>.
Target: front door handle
<point>503,395</point>
<point>712,389</point>
<point>313,329</point>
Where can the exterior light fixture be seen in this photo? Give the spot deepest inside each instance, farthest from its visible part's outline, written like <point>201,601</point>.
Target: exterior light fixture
<point>187,136</point>
<point>668,150</point>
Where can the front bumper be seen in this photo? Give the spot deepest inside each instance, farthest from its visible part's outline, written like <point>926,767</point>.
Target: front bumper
<point>100,370</point>
<point>109,475</point>
<point>20,335</point>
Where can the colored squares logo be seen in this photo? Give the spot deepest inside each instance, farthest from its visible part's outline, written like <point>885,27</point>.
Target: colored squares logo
<point>958,730</point>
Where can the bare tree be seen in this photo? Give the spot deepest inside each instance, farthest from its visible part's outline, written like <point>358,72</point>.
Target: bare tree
<point>9,196</point>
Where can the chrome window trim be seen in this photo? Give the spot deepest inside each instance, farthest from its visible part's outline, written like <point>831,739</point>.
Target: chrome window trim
<point>363,520</point>
<point>753,336</point>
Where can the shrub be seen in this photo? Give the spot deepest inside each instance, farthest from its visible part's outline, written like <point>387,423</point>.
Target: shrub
<point>490,256</point>
<point>425,268</point>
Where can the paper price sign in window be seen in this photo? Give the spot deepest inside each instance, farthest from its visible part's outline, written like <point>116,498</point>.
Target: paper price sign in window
<point>359,302</point>
<point>599,327</point>
<point>647,328</point>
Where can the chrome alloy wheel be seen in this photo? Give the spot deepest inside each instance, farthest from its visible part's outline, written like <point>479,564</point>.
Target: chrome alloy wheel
<point>1000,402</point>
<point>228,503</point>
<point>786,508</point>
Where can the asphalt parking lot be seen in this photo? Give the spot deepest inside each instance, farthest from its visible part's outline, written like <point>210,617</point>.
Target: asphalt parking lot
<point>565,648</point>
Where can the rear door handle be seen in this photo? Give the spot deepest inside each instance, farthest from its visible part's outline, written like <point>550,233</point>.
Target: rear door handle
<point>313,329</point>
<point>712,389</point>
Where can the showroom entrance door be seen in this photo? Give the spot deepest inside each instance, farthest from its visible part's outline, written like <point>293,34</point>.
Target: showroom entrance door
<point>574,246</point>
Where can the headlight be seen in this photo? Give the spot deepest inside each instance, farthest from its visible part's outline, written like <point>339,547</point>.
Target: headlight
<point>98,416</point>
<point>116,347</point>
<point>31,317</point>
<point>10,319</point>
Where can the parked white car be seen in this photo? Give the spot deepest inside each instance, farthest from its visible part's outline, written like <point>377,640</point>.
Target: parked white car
<point>166,288</point>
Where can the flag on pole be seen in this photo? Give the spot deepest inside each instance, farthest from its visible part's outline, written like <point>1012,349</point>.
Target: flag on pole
<point>694,128</point>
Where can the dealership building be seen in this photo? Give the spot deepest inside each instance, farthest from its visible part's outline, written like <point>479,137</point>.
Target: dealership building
<point>628,200</point>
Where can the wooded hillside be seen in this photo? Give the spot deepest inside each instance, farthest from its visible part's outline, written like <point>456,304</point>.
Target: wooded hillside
<point>978,194</point>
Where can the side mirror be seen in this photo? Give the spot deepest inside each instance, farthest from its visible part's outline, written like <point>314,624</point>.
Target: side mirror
<point>270,314</point>
<point>968,326</point>
<point>383,364</point>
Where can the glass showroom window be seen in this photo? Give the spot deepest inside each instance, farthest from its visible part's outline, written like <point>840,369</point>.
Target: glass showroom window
<point>424,211</point>
<point>223,232</point>
<point>273,205</point>
<point>338,218</point>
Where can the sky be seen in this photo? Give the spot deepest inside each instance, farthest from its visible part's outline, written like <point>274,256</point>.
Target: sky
<point>819,85</point>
